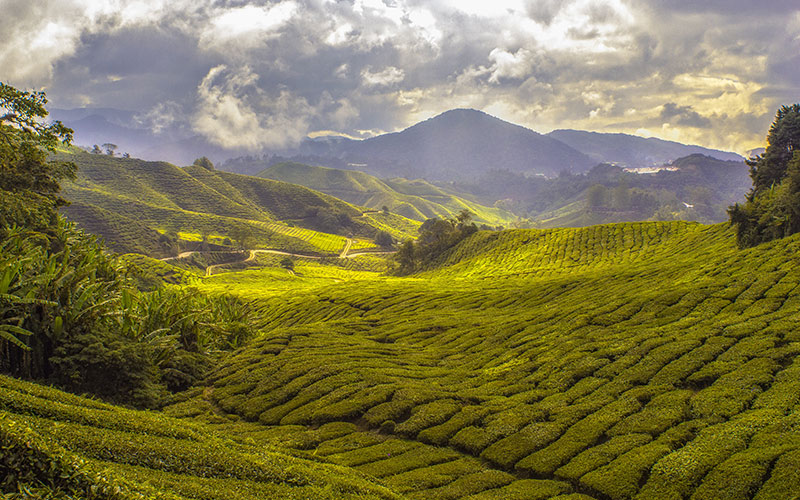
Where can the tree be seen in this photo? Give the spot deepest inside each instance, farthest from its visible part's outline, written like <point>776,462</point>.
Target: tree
<point>96,150</point>
<point>782,140</point>
<point>595,197</point>
<point>384,239</point>
<point>204,162</point>
<point>385,210</point>
<point>772,207</point>
<point>110,148</point>
<point>29,180</point>
<point>436,236</point>
<point>287,263</point>
<point>25,143</point>
<point>243,235</point>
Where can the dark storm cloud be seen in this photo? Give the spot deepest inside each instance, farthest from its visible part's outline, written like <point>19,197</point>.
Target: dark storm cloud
<point>265,73</point>
<point>683,115</point>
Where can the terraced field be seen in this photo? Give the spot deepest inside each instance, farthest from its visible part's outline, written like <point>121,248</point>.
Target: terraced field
<point>62,446</point>
<point>128,201</point>
<point>642,360</point>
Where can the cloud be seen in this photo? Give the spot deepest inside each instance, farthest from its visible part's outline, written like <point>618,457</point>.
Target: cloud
<point>161,117</point>
<point>247,26</point>
<point>383,78</point>
<point>266,73</point>
<point>683,115</point>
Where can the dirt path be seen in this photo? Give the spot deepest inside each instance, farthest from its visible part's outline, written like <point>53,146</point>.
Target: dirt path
<point>356,254</point>
<point>252,257</point>
<point>347,246</point>
<point>180,255</point>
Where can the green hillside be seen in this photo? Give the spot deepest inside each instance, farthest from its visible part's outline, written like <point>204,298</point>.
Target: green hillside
<point>638,360</point>
<point>417,199</point>
<point>131,203</point>
<point>56,445</point>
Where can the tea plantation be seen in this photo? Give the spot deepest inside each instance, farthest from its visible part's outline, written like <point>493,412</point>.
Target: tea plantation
<point>56,445</point>
<point>129,202</point>
<point>639,360</point>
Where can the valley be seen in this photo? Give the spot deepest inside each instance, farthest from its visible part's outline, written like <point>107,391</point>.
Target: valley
<point>191,333</point>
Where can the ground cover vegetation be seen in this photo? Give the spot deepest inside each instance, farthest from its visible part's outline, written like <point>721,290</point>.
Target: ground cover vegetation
<point>637,360</point>
<point>75,315</point>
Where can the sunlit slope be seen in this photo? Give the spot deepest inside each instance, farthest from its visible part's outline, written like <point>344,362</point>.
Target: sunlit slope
<point>415,199</point>
<point>70,447</point>
<point>161,196</point>
<point>648,360</point>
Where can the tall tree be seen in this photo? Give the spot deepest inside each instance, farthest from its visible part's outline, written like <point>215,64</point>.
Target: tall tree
<point>29,180</point>
<point>772,207</point>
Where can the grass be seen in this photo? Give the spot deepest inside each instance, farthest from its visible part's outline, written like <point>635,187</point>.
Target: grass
<point>417,200</point>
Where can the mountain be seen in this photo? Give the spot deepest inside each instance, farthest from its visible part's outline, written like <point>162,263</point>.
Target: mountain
<point>131,202</point>
<point>418,199</point>
<point>632,151</point>
<point>458,144</point>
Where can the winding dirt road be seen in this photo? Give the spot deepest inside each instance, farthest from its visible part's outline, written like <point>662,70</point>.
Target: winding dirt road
<point>345,254</point>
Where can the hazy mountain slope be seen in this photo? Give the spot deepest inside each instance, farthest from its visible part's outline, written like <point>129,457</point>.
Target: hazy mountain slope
<point>550,356</point>
<point>697,187</point>
<point>417,199</point>
<point>463,143</point>
<point>632,151</point>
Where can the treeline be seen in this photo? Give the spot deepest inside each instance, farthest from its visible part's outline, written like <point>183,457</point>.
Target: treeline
<point>436,236</point>
<point>75,315</point>
<point>772,207</point>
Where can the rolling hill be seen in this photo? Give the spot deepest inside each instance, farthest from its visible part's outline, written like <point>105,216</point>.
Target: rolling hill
<point>534,364</point>
<point>129,201</point>
<point>633,151</point>
<point>418,199</point>
<point>57,445</point>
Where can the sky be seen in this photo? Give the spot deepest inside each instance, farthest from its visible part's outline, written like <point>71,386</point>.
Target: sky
<point>264,74</point>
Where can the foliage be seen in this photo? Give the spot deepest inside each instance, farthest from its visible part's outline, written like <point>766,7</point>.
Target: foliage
<point>109,193</point>
<point>25,142</point>
<point>772,207</point>
<point>70,314</point>
<point>384,239</point>
<point>416,199</point>
<point>436,236</point>
<point>56,445</point>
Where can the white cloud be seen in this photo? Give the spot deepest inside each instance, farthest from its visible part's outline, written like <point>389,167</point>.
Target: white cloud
<point>233,112</point>
<point>384,78</point>
<point>505,64</point>
<point>161,117</point>
<point>223,116</point>
<point>247,26</point>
